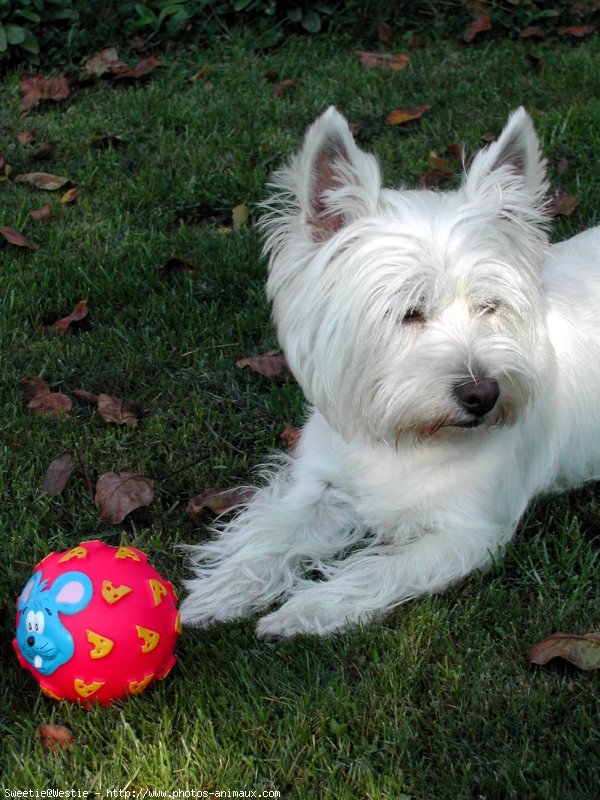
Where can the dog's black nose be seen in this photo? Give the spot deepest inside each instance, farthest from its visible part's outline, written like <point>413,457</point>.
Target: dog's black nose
<point>30,641</point>
<point>477,396</point>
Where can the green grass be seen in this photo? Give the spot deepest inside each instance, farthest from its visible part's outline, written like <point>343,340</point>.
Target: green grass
<point>436,702</point>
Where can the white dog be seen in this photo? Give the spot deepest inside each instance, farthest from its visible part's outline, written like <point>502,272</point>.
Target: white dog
<point>451,357</point>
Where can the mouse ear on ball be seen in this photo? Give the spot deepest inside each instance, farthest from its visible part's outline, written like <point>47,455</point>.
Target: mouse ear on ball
<point>331,180</point>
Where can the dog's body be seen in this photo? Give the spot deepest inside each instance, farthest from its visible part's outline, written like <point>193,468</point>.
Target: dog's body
<point>451,357</point>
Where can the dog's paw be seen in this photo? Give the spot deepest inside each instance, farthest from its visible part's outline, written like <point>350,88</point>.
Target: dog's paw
<point>301,616</point>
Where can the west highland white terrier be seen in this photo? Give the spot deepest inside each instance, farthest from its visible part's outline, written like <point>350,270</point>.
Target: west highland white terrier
<point>450,356</point>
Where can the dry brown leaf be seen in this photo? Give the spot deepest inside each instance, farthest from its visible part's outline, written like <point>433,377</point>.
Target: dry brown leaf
<point>532,32</point>
<point>71,196</point>
<point>86,397</point>
<point>434,176</point>
<point>55,737</point>
<point>384,31</point>
<point>562,166</point>
<point>106,60</point>
<point>14,237</point>
<point>239,215</point>
<point>482,23</point>
<point>437,162</point>
<point>219,501</point>
<point>80,311</point>
<point>58,474</point>
<point>26,137</point>
<point>42,214</point>
<point>581,651</point>
<point>271,365</point>
<point>393,61</point>
<point>43,180</point>
<point>104,141</point>
<point>145,67</point>
<point>562,204</point>
<point>119,495</point>
<point>119,411</point>
<point>578,31</point>
<point>42,401</point>
<point>36,89</point>
<point>407,114</point>
<point>284,86</point>
<point>290,436</point>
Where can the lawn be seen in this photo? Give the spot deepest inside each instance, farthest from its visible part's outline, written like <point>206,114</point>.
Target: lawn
<point>436,702</point>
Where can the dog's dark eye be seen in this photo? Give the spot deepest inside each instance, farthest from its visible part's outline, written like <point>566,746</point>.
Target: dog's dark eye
<point>413,317</point>
<point>490,307</point>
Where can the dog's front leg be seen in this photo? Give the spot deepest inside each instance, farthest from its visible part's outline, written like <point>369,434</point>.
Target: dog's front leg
<point>299,520</point>
<point>378,578</point>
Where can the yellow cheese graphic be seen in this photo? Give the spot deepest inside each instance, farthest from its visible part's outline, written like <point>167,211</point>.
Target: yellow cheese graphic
<point>151,638</point>
<point>86,689</point>
<point>114,593</point>
<point>76,552</point>
<point>102,645</point>
<point>159,591</point>
<point>135,687</point>
<point>127,552</point>
<point>50,693</point>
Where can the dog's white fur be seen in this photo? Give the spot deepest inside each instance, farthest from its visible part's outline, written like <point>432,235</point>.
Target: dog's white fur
<point>385,302</point>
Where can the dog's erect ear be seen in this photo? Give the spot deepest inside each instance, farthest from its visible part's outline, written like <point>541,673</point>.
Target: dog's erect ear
<point>513,162</point>
<point>335,182</point>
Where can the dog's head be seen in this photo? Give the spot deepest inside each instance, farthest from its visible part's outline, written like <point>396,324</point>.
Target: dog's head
<point>410,312</point>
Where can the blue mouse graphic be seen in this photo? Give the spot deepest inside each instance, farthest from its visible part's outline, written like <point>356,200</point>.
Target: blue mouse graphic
<point>42,638</point>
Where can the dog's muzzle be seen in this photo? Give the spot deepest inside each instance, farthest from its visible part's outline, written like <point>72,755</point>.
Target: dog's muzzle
<point>477,397</point>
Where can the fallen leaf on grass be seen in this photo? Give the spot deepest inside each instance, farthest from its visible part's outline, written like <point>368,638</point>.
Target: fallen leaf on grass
<point>70,197</point>
<point>239,215</point>
<point>104,141</point>
<point>407,114</point>
<point>43,180</point>
<point>532,32</point>
<point>145,67</point>
<point>270,365</point>
<point>5,170</point>
<point>219,501</point>
<point>58,474</point>
<point>55,737</point>
<point>393,61</point>
<point>113,409</point>
<point>175,264</point>
<point>45,150</point>
<point>42,401</point>
<point>284,86</point>
<point>14,237</point>
<point>119,495</point>
<point>437,162</point>
<point>434,176</point>
<point>42,214</point>
<point>290,436</point>
<point>80,311</point>
<point>26,137</point>
<point>482,23</point>
<point>36,89</point>
<point>105,60</point>
<point>562,204</point>
<point>581,651</point>
<point>384,31</point>
<point>578,31</point>
<point>562,166</point>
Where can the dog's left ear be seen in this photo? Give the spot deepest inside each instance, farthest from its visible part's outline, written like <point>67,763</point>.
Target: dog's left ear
<point>335,181</point>
<point>513,163</point>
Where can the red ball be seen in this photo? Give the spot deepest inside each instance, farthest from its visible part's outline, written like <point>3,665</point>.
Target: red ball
<point>96,623</point>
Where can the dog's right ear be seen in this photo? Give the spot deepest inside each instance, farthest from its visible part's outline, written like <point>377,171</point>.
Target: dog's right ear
<point>334,181</point>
